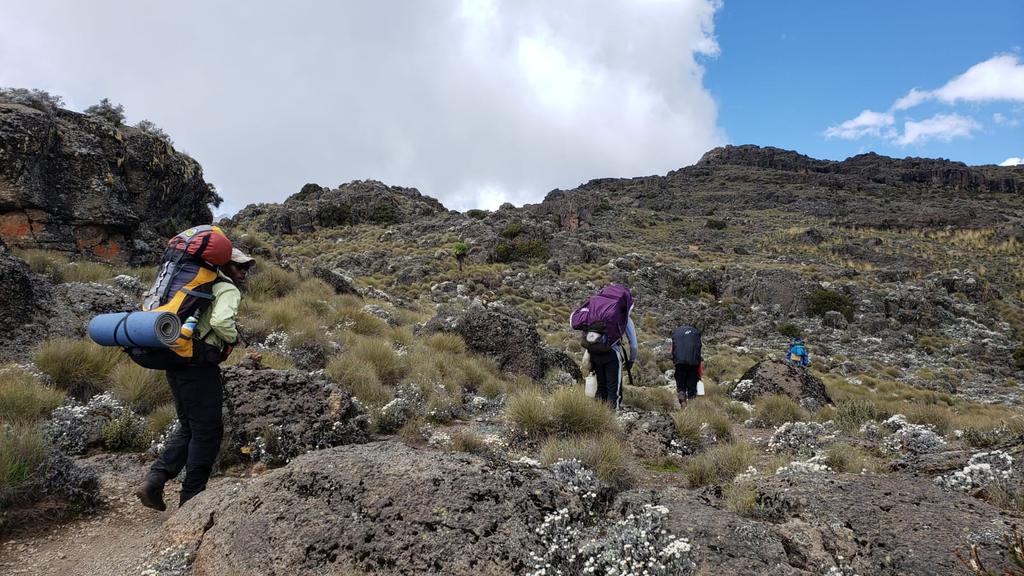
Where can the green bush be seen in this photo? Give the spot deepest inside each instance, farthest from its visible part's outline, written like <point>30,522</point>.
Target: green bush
<point>330,215</point>
<point>140,388</point>
<point>718,465</point>
<point>604,454</point>
<point>788,329</point>
<point>521,251</point>
<point>512,230</point>
<point>77,366</point>
<point>476,214</point>
<point>23,398</point>
<point>113,113</point>
<point>1018,358</point>
<point>715,224</point>
<point>775,410</point>
<point>23,458</point>
<point>126,433</point>
<point>821,301</point>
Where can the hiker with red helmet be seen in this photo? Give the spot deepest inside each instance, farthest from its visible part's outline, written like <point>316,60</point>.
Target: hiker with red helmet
<point>603,320</point>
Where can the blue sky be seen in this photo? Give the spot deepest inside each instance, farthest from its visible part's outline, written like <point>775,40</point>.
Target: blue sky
<point>787,71</point>
<point>480,102</point>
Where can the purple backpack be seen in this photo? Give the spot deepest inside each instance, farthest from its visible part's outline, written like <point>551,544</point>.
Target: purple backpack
<point>602,319</point>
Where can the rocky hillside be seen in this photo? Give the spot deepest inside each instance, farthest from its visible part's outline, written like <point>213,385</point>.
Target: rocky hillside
<point>408,398</point>
<point>77,183</point>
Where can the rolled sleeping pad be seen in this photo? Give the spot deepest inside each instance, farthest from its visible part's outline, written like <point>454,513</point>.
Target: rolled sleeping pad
<point>135,329</point>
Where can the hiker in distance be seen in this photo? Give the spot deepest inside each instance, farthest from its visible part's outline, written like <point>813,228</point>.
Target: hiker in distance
<point>797,355</point>
<point>603,320</point>
<point>199,392</point>
<point>688,359</point>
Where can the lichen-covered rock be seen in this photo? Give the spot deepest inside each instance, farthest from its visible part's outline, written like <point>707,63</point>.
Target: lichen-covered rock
<point>277,414</point>
<point>336,278</point>
<point>983,469</point>
<point>649,435</point>
<point>801,437</point>
<point>776,377</point>
<point>912,439</point>
<point>381,507</point>
<point>74,428</point>
<point>75,183</point>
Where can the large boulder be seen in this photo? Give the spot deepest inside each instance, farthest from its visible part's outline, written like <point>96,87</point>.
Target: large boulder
<point>77,183</point>
<point>833,524</point>
<point>776,377</point>
<point>381,508</point>
<point>504,334</point>
<point>275,415</point>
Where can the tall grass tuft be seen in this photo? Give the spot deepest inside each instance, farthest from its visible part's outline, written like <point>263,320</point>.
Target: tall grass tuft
<point>268,281</point>
<point>77,366</point>
<point>775,410</point>
<point>361,379</point>
<point>23,399</point>
<point>23,458</point>
<point>718,465</point>
<point>604,454</point>
<point>140,388</point>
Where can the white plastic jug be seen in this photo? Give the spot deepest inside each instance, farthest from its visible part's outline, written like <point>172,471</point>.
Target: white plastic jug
<point>590,385</point>
<point>700,387</point>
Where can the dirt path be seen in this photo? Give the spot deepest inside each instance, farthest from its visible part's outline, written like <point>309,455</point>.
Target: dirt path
<point>116,541</point>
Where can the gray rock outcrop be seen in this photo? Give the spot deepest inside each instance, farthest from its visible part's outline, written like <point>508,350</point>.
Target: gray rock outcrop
<point>775,377</point>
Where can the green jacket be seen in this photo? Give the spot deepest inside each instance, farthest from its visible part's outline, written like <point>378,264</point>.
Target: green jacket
<point>216,325</point>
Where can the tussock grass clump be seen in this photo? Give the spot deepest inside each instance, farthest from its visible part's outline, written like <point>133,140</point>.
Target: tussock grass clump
<point>775,410</point>
<point>850,414</point>
<point>843,457</point>
<point>159,419</point>
<point>718,465</point>
<point>938,416</point>
<point>380,355</point>
<point>269,281</point>
<point>23,457</point>
<point>468,441</point>
<point>649,398</point>
<point>140,388</point>
<point>723,365</point>
<point>77,366</point>
<point>573,412</point>
<point>449,343</point>
<point>741,498</point>
<point>698,414</point>
<point>59,268</point>
<point>23,398</point>
<point>361,379</point>
<point>604,454</point>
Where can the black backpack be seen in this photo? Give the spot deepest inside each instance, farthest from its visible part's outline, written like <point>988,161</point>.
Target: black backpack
<point>686,346</point>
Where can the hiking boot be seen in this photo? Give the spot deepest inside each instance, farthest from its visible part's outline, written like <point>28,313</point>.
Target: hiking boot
<point>151,493</point>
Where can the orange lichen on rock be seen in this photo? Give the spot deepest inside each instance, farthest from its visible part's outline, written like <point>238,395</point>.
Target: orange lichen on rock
<point>15,226</point>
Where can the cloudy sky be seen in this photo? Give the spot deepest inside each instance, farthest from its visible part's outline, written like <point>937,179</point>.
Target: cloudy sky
<point>478,102</point>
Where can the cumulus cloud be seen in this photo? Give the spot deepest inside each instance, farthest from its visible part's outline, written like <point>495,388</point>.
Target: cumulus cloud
<point>474,101</point>
<point>1012,161</point>
<point>942,127</point>
<point>1000,78</point>
<point>867,123</point>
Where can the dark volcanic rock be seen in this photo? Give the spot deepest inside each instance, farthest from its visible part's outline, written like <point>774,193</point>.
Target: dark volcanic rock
<point>504,334</point>
<point>76,183</point>
<point>291,410</point>
<point>382,507</point>
<point>336,278</point>
<point>776,377</point>
<point>808,524</point>
<point>16,308</point>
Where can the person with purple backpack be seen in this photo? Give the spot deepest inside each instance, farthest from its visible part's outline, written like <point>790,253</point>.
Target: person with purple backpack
<point>603,320</point>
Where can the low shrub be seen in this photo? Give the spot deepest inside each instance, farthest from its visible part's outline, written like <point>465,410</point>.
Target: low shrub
<point>718,465</point>
<point>140,388</point>
<point>604,454</point>
<point>126,433</point>
<point>775,410</point>
<point>842,457</point>
<point>822,300</point>
<point>788,329</point>
<point>715,224</point>
<point>23,399</point>
<point>467,441</point>
<point>77,366</point>
<point>521,251</point>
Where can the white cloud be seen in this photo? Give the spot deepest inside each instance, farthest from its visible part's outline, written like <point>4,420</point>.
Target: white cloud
<point>1012,161</point>
<point>943,127</point>
<point>867,123</point>
<point>913,98</point>
<point>471,101</point>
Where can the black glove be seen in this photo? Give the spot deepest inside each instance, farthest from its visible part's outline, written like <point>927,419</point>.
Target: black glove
<point>629,365</point>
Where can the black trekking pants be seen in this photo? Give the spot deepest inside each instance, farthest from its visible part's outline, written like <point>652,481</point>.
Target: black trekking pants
<point>686,380</point>
<point>608,369</point>
<point>198,396</point>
